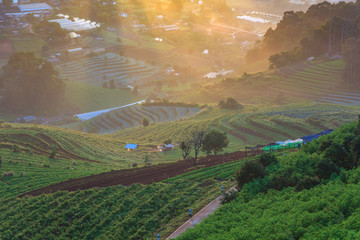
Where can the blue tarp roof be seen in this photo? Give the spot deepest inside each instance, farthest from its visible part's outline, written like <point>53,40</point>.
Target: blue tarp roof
<point>315,136</point>
<point>131,146</point>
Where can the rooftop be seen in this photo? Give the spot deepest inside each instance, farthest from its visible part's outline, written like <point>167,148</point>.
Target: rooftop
<point>34,7</point>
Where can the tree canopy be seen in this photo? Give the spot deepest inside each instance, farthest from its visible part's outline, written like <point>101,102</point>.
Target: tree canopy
<point>214,141</point>
<point>31,85</point>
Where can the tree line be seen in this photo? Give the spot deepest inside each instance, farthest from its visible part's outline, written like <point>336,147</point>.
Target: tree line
<point>324,29</point>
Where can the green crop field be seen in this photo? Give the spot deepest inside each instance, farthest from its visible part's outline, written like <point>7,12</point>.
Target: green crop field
<point>133,116</point>
<point>120,212</point>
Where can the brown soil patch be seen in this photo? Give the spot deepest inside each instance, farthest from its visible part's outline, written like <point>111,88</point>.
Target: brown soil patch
<point>146,175</point>
<point>279,132</point>
<point>251,132</point>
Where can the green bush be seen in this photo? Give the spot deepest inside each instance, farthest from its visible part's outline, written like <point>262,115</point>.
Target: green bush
<point>267,159</point>
<point>251,170</point>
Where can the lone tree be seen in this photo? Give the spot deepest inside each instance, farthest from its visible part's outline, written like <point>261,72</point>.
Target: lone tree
<point>54,151</point>
<point>214,141</point>
<point>197,140</point>
<point>145,122</point>
<point>186,148</point>
<point>230,103</point>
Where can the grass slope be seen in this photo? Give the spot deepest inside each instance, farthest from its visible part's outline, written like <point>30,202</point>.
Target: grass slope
<point>296,199</point>
<point>89,98</point>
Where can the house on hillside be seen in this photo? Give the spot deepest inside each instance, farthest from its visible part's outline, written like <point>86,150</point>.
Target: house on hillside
<point>131,147</point>
<point>165,147</point>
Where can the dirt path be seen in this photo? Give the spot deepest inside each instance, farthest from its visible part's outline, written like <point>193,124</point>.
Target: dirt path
<point>198,217</point>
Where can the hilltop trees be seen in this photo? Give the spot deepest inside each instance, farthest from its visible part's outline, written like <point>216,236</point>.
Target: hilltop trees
<point>31,85</point>
<point>351,51</point>
<point>325,29</point>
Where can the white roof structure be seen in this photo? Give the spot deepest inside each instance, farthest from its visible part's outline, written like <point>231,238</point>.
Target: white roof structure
<point>76,25</point>
<point>34,7</point>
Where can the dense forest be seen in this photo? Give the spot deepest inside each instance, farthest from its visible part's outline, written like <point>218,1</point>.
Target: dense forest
<point>324,29</point>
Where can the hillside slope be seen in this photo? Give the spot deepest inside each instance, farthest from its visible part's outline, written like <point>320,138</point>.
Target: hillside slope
<point>320,81</point>
<point>309,194</point>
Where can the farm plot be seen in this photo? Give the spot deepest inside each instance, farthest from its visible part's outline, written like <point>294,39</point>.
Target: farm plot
<point>133,116</point>
<point>322,82</point>
<point>284,123</point>
<point>106,67</point>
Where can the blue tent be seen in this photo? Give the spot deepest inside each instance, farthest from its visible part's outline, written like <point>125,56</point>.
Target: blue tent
<point>130,146</point>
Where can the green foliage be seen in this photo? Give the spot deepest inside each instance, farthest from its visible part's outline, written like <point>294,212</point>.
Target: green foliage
<point>249,172</point>
<point>267,159</point>
<point>230,103</point>
<point>147,159</point>
<point>145,122</point>
<point>114,212</point>
<point>186,148</point>
<point>323,212</point>
<point>229,196</point>
<point>54,151</point>
<point>284,58</point>
<point>322,202</point>
<point>15,148</point>
<point>215,141</point>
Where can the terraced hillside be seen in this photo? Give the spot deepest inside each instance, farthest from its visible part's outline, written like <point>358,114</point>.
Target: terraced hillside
<point>73,145</point>
<point>320,82</point>
<point>251,126</point>
<point>105,67</point>
<point>133,116</point>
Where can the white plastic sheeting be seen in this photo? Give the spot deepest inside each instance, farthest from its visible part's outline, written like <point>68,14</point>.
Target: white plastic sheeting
<point>76,25</point>
<point>253,19</point>
<point>89,115</point>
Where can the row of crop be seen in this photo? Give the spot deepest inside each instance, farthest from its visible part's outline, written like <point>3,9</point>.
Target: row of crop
<point>118,212</point>
<point>31,171</point>
<point>133,116</point>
